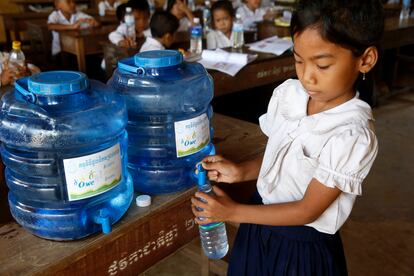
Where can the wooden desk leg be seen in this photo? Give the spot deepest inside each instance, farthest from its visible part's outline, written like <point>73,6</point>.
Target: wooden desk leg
<point>80,54</point>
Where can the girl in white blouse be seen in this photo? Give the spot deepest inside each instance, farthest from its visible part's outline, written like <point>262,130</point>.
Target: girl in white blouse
<point>321,147</point>
<point>222,13</point>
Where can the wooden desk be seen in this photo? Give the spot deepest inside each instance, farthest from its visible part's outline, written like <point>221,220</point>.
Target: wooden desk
<point>16,23</point>
<point>142,237</point>
<point>84,42</point>
<point>398,33</point>
<point>266,69</point>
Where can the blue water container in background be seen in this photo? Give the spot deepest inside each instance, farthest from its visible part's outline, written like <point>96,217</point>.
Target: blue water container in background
<point>169,118</point>
<point>64,147</point>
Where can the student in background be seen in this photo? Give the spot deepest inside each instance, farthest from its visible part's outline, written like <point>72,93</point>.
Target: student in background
<point>163,27</point>
<point>141,12</point>
<point>251,12</point>
<point>222,13</point>
<point>180,10</point>
<point>108,7</point>
<point>66,17</point>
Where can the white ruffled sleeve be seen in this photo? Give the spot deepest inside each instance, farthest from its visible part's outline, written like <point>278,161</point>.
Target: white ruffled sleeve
<point>267,120</point>
<point>346,159</point>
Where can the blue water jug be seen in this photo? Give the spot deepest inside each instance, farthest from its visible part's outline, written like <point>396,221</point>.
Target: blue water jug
<point>64,147</point>
<point>169,116</point>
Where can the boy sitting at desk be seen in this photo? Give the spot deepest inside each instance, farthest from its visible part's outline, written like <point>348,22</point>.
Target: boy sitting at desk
<point>251,12</point>
<point>141,12</point>
<point>66,17</point>
<point>163,27</point>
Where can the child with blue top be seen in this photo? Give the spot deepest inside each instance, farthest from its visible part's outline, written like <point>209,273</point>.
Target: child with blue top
<point>321,146</point>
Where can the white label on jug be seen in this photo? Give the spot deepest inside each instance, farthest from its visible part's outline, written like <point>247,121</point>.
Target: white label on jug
<point>192,135</point>
<point>93,174</point>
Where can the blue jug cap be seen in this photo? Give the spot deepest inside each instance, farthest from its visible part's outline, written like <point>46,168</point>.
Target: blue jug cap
<point>158,58</point>
<point>57,83</point>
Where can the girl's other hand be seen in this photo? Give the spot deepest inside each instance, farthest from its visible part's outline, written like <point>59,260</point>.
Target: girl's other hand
<point>6,76</point>
<point>221,170</point>
<point>218,208</point>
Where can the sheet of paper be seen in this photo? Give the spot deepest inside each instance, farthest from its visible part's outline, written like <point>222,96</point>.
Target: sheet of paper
<point>273,45</point>
<point>223,61</point>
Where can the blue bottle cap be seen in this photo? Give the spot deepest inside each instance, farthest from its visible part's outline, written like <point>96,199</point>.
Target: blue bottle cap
<point>58,83</point>
<point>158,58</point>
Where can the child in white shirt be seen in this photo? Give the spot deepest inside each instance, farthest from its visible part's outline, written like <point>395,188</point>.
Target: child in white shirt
<point>163,27</point>
<point>66,17</point>
<point>222,13</point>
<point>108,7</point>
<point>180,10</point>
<point>251,12</point>
<point>321,146</point>
<point>141,12</point>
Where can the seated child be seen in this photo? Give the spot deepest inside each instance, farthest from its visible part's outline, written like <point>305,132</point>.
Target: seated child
<point>66,17</point>
<point>179,9</point>
<point>251,12</point>
<point>108,7</point>
<point>141,12</point>
<point>222,13</point>
<point>163,27</point>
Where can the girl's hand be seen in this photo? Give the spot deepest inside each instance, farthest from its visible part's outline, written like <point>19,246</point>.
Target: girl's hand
<point>6,76</point>
<point>218,208</point>
<point>222,170</point>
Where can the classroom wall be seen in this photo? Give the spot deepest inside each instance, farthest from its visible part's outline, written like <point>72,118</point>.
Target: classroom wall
<point>6,6</point>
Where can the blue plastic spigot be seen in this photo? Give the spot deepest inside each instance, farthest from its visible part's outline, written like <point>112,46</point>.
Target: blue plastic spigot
<point>103,219</point>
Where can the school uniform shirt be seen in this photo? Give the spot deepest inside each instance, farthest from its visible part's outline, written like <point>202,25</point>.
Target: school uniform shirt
<point>249,17</point>
<point>337,147</point>
<point>151,44</point>
<point>217,39</point>
<point>105,6</point>
<point>121,33</point>
<point>57,17</point>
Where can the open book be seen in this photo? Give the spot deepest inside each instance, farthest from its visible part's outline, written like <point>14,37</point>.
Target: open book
<point>273,45</point>
<point>226,62</point>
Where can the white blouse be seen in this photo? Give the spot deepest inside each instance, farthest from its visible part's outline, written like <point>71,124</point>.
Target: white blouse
<point>249,17</point>
<point>337,147</point>
<point>151,44</point>
<point>216,39</point>
<point>121,33</point>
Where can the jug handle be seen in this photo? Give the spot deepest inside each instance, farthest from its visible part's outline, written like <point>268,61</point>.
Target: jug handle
<point>132,69</point>
<point>21,87</point>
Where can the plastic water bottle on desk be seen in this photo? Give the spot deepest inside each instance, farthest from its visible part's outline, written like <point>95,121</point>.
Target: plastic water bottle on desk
<point>16,57</point>
<point>405,10</point>
<point>206,17</point>
<point>191,5</point>
<point>196,43</point>
<point>213,236</point>
<point>130,23</point>
<point>237,33</point>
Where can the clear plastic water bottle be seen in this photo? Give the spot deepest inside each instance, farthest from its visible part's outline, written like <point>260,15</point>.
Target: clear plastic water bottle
<point>191,5</point>
<point>405,10</point>
<point>213,236</point>
<point>129,20</point>
<point>237,33</point>
<point>206,17</point>
<point>196,43</point>
<point>16,57</point>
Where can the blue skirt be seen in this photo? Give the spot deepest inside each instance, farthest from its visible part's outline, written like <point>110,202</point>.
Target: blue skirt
<point>285,250</point>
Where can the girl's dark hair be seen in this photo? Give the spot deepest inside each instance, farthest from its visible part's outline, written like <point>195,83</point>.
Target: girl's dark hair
<point>139,5</point>
<point>120,12</point>
<point>353,24</point>
<point>222,5</point>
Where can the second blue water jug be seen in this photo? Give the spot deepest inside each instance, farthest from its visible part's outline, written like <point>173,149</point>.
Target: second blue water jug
<point>169,118</point>
<point>64,147</point>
